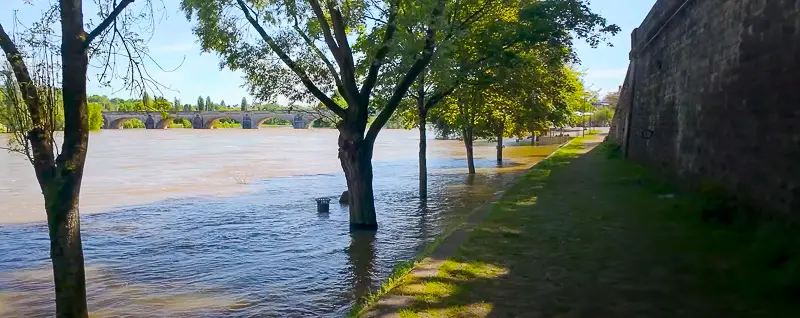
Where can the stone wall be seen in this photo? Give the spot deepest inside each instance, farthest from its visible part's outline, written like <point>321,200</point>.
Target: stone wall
<point>714,90</point>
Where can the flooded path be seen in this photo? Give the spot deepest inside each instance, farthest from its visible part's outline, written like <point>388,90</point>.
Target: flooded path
<point>203,223</point>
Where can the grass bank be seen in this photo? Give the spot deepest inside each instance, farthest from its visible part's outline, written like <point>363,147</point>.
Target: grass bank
<point>589,235</point>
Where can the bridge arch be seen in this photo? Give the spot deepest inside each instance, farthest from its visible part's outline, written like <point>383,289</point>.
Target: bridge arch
<point>117,123</point>
<point>206,120</point>
<point>257,123</point>
<point>321,121</point>
<point>209,122</point>
<point>165,123</point>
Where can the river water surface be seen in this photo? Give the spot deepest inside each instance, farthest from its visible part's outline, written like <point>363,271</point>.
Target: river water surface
<point>208,223</point>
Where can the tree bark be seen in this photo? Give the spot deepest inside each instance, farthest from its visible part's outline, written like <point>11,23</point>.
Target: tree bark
<point>423,156</point>
<point>355,155</point>
<point>66,250</point>
<point>500,143</point>
<point>422,111</point>
<point>63,218</point>
<point>467,135</point>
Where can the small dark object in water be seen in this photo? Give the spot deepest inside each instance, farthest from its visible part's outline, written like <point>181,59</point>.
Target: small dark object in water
<point>345,198</point>
<point>323,204</point>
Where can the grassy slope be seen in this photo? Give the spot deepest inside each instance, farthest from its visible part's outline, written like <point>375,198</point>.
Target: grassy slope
<point>596,237</point>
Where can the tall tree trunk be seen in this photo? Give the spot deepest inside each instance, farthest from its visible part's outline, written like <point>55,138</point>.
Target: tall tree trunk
<point>467,135</point>
<point>66,250</point>
<point>423,156</point>
<point>423,142</point>
<point>500,143</point>
<point>63,218</point>
<point>355,155</point>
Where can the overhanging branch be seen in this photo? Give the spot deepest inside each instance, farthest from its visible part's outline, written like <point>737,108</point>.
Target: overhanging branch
<point>299,71</point>
<point>106,23</point>
<point>409,77</point>
<point>380,56</point>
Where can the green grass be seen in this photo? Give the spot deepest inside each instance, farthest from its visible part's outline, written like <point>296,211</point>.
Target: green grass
<point>399,274</point>
<point>592,235</point>
<point>593,132</point>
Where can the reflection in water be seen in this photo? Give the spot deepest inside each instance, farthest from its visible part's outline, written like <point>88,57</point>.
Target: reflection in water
<point>261,249</point>
<point>361,255</point>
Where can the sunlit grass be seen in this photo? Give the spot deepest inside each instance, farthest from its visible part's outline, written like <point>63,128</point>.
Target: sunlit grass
<point>600,237</point>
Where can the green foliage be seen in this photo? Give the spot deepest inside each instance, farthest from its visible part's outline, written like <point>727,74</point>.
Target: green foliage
<point>147,101</point>
<point>275,122</point>
<point>603,116</point>
<point>209,106</point>
<point>107,104</point>
<point>180,123</point>
<point>95,116</point>
<point>612,99</point>
<point>508,61</point>
<point>243,105</point>
<point>133,124</point>
<point>161,104</point>
<point>200,104</point>
<point>225,123</point>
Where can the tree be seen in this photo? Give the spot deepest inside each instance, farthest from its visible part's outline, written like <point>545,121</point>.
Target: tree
<point>60,174</point>
<point>243,105</point>
<point>222,105</point>
<point>603,115</point>
<point>285,55</point>
<point>176,105</point>
<point>488,34</point>
<point>161,104</point>
<point>103,100</point>
<point>95,116</point>
<point>187,107</point>
<point>209,105</point>
<point>612,99</point>
<point>200,104</point>
<point>147,101</point>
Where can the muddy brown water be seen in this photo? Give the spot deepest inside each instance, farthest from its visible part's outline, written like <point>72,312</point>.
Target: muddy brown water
<point>208,223</point>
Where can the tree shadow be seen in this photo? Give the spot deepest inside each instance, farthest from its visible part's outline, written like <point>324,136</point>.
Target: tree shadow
<point>552,247</point>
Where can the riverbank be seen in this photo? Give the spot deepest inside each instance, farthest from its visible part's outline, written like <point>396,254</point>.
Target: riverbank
<point>583,234</point>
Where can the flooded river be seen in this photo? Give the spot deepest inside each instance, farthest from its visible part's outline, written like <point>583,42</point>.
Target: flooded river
<point>208,223</point>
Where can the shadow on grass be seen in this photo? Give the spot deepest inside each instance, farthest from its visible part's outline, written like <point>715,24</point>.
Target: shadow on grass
<point>593,236</point>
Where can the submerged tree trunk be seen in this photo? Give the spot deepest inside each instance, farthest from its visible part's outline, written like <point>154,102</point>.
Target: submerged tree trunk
<point>500,143</point>
<point>423,156</point>
<point>355,155</point>
<point>467,134</point>
<point>422,111</point>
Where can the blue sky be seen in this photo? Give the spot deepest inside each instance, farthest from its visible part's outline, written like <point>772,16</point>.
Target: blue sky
<point>198,74</point>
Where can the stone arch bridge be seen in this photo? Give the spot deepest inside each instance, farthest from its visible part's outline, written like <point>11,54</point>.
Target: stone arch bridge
<point>205,120</point>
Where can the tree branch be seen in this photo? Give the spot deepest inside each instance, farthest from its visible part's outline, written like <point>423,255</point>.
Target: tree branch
<point>326,30</point>
<point>106,22</point>
<point>327,101</point>
<point>380,56</point>
<point>39,136</point>
<point>350,92</point>
<point>475,15</point>
<point>341,38</point>
<point>319,53</point>
<point>439,96</point>
<point>409,77</point>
